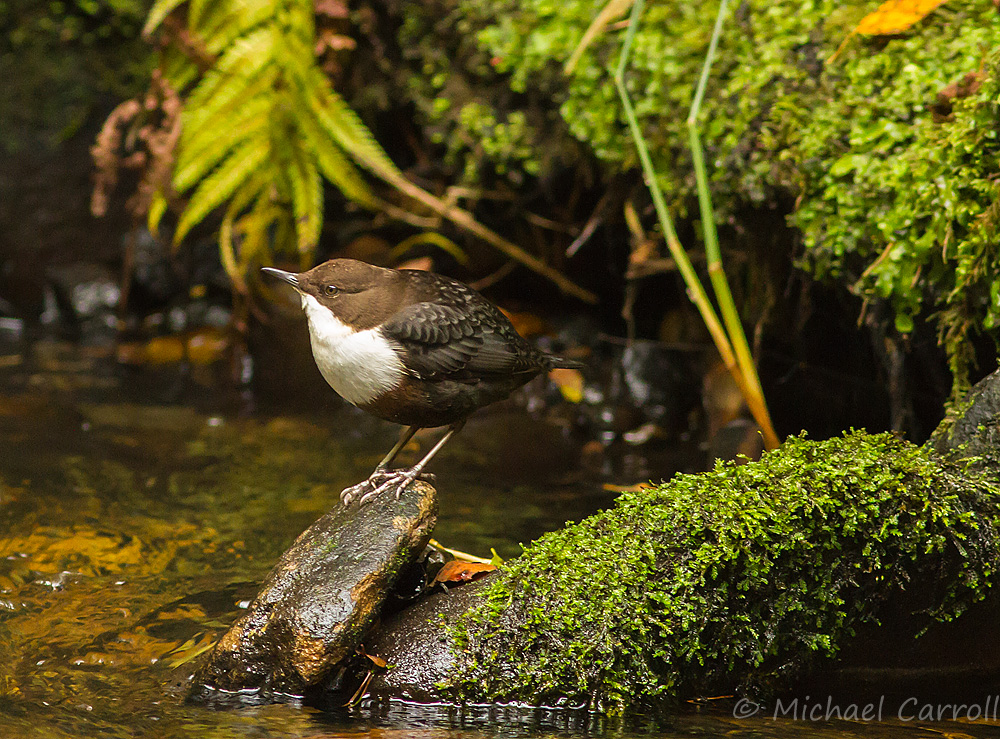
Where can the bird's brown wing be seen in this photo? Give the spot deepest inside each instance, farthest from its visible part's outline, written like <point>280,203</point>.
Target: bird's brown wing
<point>441,340</point>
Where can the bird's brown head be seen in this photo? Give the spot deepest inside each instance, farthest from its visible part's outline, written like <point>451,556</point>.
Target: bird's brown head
<point>359,294</point>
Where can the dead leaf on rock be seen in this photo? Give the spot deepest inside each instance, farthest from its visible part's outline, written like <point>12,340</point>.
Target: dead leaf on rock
<point>890,18</point>
<point>612,488</point>
<point>457,572</point>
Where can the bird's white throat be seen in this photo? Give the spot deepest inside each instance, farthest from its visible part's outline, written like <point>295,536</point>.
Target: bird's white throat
<point>359,365</point>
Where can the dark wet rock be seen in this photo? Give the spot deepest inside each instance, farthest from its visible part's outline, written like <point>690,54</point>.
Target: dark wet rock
<point>322,597</point>
<point>901,658</point>
<point>418,647</point>
<point>973,425</point>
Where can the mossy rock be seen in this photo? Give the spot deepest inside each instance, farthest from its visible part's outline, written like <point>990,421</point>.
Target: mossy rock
<point>738,579</point>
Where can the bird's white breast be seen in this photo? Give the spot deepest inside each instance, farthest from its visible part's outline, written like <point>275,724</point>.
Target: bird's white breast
<point>359,365</point>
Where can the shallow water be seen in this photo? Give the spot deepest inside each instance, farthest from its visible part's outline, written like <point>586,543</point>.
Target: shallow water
<point>132,531</point>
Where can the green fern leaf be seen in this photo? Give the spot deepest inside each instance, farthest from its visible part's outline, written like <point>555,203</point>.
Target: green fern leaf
<point>157,208</point>
<point>261,227</point>
<point>197,9</point>
<point>210,139</point>
<point>182,77</point>
<point>307,201</point>
<point>160,10</point>
<point>343,124</point>
<point>250,191</point>
<point>221,184</point>
<point>249,54</point>
<point>242,63</point>
<point>233,20</point>
<point>195,163</point>
<point>262,129</point>
<point>229,100</point>
<point>300,21</point>
<point>335,166</point>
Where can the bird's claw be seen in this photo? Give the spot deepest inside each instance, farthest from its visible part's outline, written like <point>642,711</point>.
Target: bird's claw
<point>379,482</point>
<point>347,495</point>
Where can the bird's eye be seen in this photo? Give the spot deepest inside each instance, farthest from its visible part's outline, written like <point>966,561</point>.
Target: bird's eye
<point>332,290</point>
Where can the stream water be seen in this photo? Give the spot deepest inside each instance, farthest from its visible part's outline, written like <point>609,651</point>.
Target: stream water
<point>133,531</point>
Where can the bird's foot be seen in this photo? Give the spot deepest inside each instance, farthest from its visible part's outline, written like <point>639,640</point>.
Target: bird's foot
<point>347,495</point>
<point>380,481</point>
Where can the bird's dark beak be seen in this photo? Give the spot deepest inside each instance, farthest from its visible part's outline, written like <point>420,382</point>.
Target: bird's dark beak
<point>290,277</point>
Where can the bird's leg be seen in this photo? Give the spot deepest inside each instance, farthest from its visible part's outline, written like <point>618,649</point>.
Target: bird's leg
<point>401,478</point>
<point>404,439</point>
<point>379,473</point>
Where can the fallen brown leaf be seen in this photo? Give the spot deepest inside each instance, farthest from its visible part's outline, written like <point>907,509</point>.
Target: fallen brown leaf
<point>456,571</point>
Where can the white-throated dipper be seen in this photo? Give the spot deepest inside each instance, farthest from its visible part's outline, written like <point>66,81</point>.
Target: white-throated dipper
<point>412,347</point>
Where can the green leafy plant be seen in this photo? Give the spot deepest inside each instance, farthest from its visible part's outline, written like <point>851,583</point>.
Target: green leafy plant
<point>261,127</point>
<point>884,162</point>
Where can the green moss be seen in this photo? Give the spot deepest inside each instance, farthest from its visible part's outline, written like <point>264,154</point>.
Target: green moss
<point>872,164</point>
<point>734,579</point>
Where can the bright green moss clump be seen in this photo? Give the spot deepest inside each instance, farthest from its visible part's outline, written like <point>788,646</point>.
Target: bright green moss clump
<point>733,579</point>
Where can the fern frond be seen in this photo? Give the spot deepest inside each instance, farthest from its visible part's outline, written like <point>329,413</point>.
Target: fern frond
<point>259,228</point>
<point>221,184</point>
<point>300,21</point>
<point>307,200</point>
<point>157,208</point>
<point>233,19</point>
<point>229,102</point>
<point>343,124</point>
<point>227,248</point>
<point>198,9</point>
<point>249,54</point>
<point>334,165</point>
<point>262,129</point>
<point>202,138</point>
<point>158,13</point>
<point>227,84</point>
<point>196,163</point>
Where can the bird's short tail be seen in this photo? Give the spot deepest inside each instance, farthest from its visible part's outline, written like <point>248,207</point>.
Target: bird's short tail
<point>557,362</point>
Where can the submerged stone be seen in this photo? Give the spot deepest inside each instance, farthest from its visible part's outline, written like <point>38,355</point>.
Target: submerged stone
<point>321,598</point>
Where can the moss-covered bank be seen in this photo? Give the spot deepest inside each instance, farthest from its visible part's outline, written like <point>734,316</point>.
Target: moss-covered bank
<point>734,579</point>
<point>889,154</point>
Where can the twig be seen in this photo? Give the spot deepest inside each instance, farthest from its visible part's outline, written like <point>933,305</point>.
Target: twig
<point>492,279</point>
<point>464,219</point>
<point>464,556</point>
<point>595,220</point>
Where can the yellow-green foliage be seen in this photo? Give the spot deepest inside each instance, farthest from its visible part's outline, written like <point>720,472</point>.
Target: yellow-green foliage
<point>261,127</point>
<point>895,195</point>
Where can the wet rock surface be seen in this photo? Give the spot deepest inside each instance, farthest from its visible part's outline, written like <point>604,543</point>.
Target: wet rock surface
<point>321,598</point>
<point>975,424</point>
<point>417,646</point>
